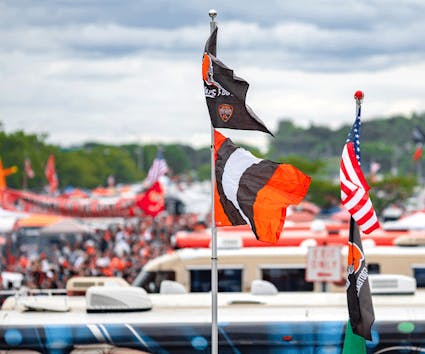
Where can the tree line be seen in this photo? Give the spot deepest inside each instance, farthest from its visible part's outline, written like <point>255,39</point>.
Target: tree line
<point>315,150</point>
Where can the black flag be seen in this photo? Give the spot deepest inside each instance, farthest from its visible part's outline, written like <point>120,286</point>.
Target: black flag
<point>359,299</point>
<point>226,93</point>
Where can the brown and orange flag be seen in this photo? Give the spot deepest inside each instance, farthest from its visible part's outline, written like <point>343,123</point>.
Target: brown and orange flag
<point>254,191</point>
<point>359,299</point>
<point>226,93</point>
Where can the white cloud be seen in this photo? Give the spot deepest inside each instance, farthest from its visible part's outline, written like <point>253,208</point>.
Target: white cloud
<point>109,78</point>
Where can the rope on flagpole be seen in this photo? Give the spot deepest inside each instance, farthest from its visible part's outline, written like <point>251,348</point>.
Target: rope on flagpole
<point>214,271</point>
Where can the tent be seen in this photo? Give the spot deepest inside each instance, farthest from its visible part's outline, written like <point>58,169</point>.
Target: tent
<point>65,226</point>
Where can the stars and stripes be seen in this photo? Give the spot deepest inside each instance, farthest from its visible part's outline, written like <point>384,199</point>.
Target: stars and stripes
<point>159,168</point>
<point>354,187</point>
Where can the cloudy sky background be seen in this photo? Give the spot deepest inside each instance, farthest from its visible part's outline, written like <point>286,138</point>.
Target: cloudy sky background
<point>119,71</point>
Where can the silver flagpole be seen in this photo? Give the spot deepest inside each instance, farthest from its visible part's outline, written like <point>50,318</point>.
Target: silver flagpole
<point>214,272</point>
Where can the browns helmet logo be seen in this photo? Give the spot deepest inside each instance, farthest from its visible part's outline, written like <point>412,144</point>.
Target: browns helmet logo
<point>207,71</point>
<point>225,112</point>
<point>355,257</point>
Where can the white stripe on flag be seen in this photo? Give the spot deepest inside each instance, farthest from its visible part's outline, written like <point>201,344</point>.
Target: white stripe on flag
<point>235,166</point>
<point>352,175</point>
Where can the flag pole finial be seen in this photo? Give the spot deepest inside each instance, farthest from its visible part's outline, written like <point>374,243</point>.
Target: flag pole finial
<point>212,13</point>
<point>358,96</point>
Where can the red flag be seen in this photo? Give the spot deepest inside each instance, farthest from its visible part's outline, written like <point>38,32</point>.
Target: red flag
<point>28,168</point>
<point>354,188</point>
<point>418,152</point>
<point>152,202</point>
<point>50,173</point>
<point>253,191</point>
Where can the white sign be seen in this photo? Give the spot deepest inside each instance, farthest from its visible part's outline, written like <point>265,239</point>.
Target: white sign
<point>323,263</point>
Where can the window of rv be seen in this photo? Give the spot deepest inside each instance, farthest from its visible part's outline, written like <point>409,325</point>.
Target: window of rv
<point>287,279</point>
<point>229,280</point>
<point>151,281</point>
<point>419,274</point>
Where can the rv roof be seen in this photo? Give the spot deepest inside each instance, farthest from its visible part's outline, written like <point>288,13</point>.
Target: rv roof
<point>239,307</point>
<point>188,253</point>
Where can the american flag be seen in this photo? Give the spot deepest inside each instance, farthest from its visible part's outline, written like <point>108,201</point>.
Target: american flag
<point>354,187</point>
<point>28,169</point>
<point>159,168</point>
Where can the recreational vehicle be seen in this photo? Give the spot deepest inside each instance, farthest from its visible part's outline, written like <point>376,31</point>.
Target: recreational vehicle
<point>285,267</point>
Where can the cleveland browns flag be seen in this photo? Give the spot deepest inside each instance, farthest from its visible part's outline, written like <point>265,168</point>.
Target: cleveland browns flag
<point>254,191</point>
<point>359,299</point>
<point>225,93</point>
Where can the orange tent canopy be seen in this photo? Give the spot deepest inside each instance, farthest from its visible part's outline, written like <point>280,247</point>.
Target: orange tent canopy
<point>38,220</point>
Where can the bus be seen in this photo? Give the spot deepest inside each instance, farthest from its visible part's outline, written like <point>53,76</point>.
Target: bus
<point>127,320</point>
<point>285,267</point>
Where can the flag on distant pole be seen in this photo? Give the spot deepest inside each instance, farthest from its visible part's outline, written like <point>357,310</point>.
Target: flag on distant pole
<point>50,173</point>
<point>373,169</point>
<point>159,168</point>
<point>254,191</point>
<point>354,187</point>
<point>418,137</point>
<point>28,168</point>
<point>226,93</point>
<point>152,202</point>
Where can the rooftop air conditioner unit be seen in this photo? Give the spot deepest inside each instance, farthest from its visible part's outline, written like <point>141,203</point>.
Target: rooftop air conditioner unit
<point>391,284</point>
<point>117,299</point>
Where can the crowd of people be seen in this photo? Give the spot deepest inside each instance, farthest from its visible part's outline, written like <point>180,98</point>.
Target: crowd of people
<point>116,249</point>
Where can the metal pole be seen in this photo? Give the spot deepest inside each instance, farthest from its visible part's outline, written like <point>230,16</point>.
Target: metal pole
<point>214,271</point>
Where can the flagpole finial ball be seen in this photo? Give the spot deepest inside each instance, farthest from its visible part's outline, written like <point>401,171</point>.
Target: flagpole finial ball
<point>359,95</point>
<point>212,13</point>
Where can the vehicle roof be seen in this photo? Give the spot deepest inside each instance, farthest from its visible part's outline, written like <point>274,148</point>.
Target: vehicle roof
<point>232,307</point>
<point>190,253</point>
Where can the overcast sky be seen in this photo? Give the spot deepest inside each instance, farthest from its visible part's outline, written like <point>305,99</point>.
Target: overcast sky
<point>119,71</point>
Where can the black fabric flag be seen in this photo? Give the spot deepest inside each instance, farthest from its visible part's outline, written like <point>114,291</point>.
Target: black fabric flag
<point>226,93</point>
<point>359,299</point>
